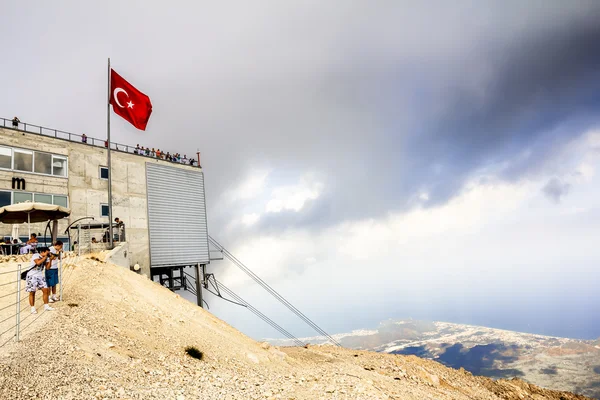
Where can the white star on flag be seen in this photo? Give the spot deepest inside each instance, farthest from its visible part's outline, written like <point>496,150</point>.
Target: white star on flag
<point>130,104</point>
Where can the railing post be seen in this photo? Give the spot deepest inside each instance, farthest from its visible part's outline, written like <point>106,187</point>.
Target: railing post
<point>79,240</point>
<point>60,275</point>
<point>18,326</point>
<point>55,135</point>
<point>24,126</point>
<point>69,136</point>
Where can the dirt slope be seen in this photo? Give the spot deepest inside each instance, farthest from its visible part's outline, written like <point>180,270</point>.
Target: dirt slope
<point>119,335</point>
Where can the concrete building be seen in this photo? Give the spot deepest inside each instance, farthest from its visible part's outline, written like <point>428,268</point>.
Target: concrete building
<point>45,165</point>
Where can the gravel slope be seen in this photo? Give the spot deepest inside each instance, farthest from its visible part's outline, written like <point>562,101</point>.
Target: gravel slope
<point>119,335</point>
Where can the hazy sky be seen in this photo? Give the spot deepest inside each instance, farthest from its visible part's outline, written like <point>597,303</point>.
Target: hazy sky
<point>425,159</point>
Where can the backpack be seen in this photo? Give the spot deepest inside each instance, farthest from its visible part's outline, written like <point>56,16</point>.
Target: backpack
<point>24,273</point>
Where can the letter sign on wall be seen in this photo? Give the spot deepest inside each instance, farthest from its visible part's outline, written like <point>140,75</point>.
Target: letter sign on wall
<point>18,183</point>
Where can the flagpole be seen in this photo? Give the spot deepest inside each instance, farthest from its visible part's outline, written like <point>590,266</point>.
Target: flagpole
<point>110,215</point>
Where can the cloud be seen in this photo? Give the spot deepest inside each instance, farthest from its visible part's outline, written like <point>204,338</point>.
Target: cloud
<point>250,219</point>
<point>555,189</point>
<point>496,244</point>
<point>251,187</point>
<point>294,197</point>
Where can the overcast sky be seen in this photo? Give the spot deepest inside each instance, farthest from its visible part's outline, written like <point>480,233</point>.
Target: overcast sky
<point>425,159</point>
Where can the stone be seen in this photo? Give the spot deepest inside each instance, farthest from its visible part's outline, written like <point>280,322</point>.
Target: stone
<point>253,358</point>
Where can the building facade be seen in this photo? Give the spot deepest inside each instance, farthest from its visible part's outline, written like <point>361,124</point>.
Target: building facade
<point>43,168</point>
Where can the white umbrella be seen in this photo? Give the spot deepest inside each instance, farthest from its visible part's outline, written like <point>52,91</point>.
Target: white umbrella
<point>32,212</point>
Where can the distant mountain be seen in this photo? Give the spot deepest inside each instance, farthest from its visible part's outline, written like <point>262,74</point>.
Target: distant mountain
<point>555,363</point>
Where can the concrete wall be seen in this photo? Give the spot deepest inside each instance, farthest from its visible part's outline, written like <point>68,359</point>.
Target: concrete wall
<point>119,256</point>
<point>86,190</point>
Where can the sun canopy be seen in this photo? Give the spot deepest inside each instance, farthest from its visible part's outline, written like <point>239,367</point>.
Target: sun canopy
<point>32,212</point>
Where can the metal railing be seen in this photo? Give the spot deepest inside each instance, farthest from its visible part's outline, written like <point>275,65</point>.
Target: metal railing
<point>85,244</point>
<point>14,329</point>
<point>90,141</point>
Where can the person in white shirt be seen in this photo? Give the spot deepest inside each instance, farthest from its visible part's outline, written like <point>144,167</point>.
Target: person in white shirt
<point>52,272</point>
<point>35,279</point>
<point>31,244</point>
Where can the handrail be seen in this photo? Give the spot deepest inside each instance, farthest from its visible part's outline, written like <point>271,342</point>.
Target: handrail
<point>77,138</point>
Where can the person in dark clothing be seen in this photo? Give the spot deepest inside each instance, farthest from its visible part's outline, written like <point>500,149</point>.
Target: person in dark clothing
<point>15,122</point>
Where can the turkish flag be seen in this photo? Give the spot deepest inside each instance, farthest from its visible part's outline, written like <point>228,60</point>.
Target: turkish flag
<point>128,102</point>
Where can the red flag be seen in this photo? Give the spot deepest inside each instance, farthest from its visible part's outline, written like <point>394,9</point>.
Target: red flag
<point>128,102</point>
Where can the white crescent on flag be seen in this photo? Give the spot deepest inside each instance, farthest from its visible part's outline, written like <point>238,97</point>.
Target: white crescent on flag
<point>117,90</point>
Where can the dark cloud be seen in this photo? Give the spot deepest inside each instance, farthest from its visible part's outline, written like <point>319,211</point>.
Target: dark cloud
<point>556,189</point>
<point>539,90</point>
<point>383,102</point>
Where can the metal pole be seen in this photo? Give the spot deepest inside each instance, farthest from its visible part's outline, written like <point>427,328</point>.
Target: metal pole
<point>60,271</point>
<point>198,286</point>
<point>79,240</point>
<point>18,302</point>
<point>110,214</point>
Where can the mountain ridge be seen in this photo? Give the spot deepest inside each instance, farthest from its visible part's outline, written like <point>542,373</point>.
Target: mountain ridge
<point>553,362</point>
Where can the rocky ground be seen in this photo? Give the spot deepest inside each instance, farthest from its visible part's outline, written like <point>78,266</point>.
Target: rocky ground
<point>119,335</point>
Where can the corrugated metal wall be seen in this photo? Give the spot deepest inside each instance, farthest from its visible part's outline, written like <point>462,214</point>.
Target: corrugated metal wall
<point>176,211</point>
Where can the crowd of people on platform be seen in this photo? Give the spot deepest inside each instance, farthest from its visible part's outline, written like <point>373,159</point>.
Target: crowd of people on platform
<point>151,152</point>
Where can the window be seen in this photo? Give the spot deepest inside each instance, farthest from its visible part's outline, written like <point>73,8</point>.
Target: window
<point>43,163</point>
<point>43,198</point>
<point>60,201</point>
<point>59,166</point>
<point>33,161</point>
<point>5,157</point>
<point>23,160</point>
<point>20,197</point>
<point>4,199</point>
<point>104,210</point>
<point>103,173</point>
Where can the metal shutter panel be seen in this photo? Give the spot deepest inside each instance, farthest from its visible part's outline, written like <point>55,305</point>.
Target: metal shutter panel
<point>176,216</point>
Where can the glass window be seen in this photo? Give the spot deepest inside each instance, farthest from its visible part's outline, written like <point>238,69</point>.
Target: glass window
<point>4,199</point>
<point>21,197</point>
<point>43,163</point>
<point>5,158</point>
<point>60,201</point>
<point>43,198</point>
<point>23,160</point>
<point>104,210</point>
<point>103,173</point>
<point>59,166</point>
